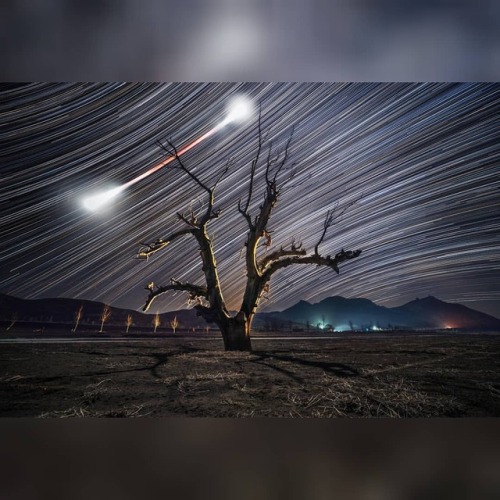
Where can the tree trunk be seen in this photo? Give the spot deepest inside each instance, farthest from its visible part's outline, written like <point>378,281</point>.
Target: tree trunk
<point>236,333</point>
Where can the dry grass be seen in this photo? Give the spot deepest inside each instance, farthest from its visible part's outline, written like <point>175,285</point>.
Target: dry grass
<point>413,377</point>
<point>374,397</point>
<point>223,376</point>
<point>131,411</point>
<point>11,378</point>
<point>95,391</point>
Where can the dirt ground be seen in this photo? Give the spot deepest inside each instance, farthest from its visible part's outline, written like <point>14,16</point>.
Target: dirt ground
<point>355,376</point>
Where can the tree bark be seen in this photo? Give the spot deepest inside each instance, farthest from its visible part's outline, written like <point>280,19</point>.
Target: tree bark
<point>236,333</point>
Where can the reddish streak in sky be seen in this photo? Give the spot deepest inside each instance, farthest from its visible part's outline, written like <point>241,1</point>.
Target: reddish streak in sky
<point>171,158</point>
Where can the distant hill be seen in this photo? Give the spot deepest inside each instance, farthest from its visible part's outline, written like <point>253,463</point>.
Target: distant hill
<point>343,314</point>
<point>449,315</point>
<point>339,312</point>
<point>62,310</point>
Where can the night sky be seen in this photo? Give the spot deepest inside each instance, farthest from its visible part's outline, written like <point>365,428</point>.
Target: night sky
<point>422,162</point>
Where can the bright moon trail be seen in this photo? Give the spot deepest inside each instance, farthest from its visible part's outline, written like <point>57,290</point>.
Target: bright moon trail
<point>240,109</point>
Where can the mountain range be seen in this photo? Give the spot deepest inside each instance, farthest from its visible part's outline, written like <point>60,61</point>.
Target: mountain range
<point>345,314</point>
<point>335,312</point>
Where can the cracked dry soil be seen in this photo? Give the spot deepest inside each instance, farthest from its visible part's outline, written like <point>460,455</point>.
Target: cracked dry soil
<point>355,376</point>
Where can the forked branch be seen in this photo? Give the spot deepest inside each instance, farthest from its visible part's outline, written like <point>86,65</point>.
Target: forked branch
<point>332,262</point>
<point>173,152</point>
<point>210,213</point>
<point>151,248</point>
<point>294,250</point>
<point>155,291</point>
<point>272,180</point>
<point>331,216</point>
<point>243,210</point>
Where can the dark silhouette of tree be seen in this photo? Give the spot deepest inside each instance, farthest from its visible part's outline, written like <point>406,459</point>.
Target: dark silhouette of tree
<point>13,320</point>
<point>208,298</point>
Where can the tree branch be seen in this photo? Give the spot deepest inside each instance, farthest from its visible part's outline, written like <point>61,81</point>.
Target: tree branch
<point>331,216</point>
<point>244,211</point>
<point>184,168</point>
<point>209,213</point>
<point>329,219</point>
<point>151,248</point>
<point>229,164</point>
<point>192,221</point>
<point>319,260</point>
<point>258,229</point>
<point>255,161</point>
<point>285,156</point>
<point>194,290</point>
<point>209,266</point>
<point>246,215</point>
<point>278,254</point>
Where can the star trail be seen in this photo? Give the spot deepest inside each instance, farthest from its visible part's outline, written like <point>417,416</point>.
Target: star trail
<point>421,162</point>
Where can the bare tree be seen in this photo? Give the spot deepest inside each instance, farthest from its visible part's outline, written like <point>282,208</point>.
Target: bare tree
<point>106,313</point>
<point>13,320</point>
<point>174,324</point>
<point>156,321</point>
<point>208,298</point>
<point>129,322</point>
<point>78,317</point>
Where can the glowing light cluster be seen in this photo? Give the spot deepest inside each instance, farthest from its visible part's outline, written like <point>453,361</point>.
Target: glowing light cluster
<point>99,200</point>
<point>239,110</point>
